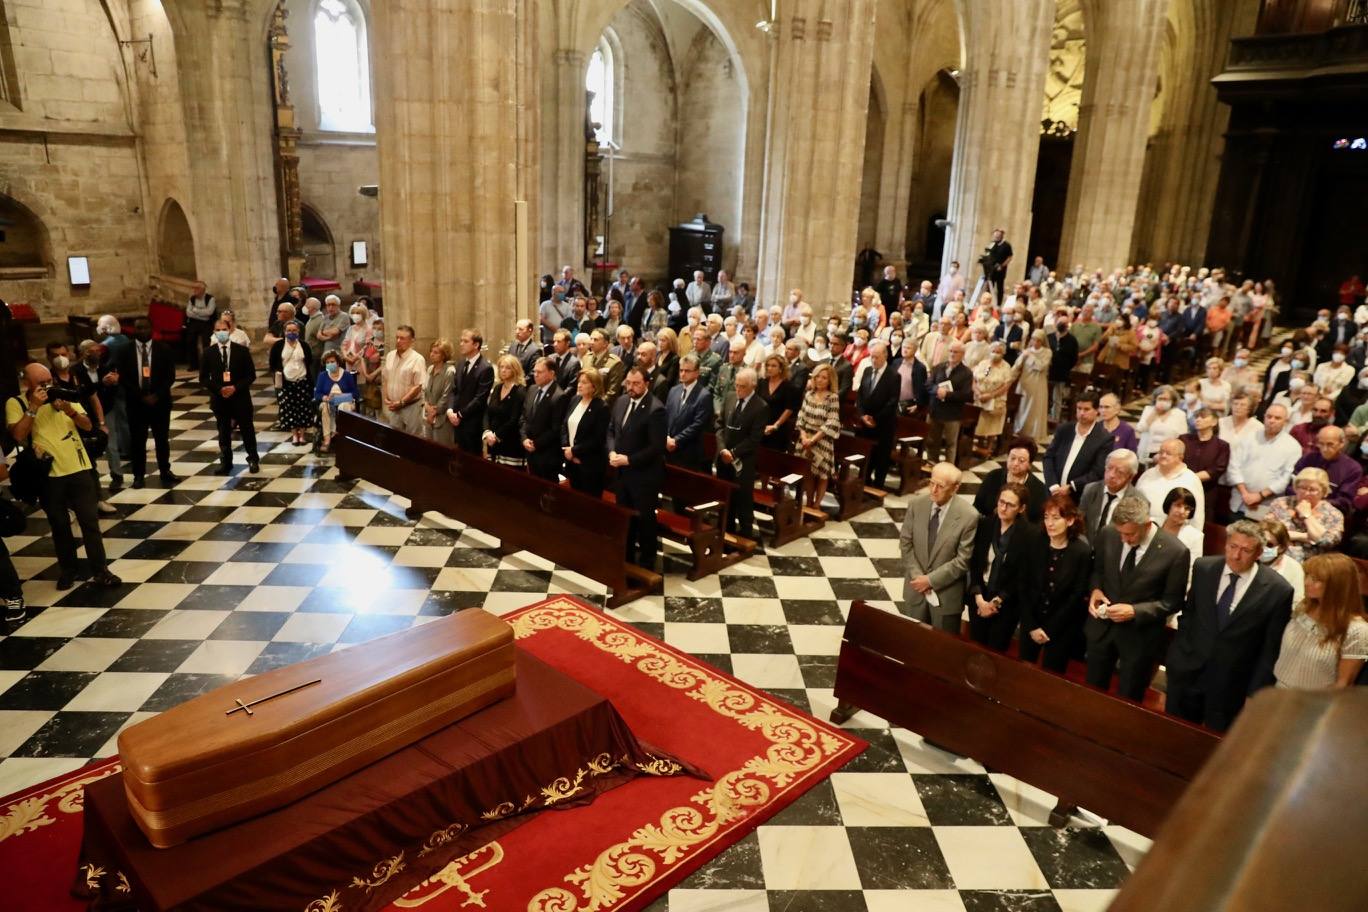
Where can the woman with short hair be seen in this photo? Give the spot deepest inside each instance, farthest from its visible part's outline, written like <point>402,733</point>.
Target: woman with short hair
<point>1276,558</point>
<point>1053,623</point>
<point>1313,524</point>
<point>291,366</point>
<point>1004,569</point>
<point>441,377</point>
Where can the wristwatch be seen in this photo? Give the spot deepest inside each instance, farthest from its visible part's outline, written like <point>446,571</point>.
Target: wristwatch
<point>31,413</point>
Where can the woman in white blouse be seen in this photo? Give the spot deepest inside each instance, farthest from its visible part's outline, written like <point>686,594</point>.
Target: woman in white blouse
<point>1215,392</point>
<point>1325,644</point>
<point>1160,421</point>
<point>1335,374</point>
<point>1239,425</point>
<point>1275,557</point>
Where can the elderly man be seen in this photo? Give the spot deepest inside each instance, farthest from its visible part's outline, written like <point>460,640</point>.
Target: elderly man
<point>1345,472</point>
<point>699,292</point>
<point>50,427</point>
<point>524,347</point>
<point>1169,472</point>
<point>1229,633</point>
<point>952,387</point>
<point>877,406</point>
<point>281,290</point>
<point>739,435</point>
<point>402,376</point>
<point>1139,575</point>
<point>1100,497</point>
<point>332,325</point>
<point>708,360</point>
<point>935,345</point>
<point>724,387</point>
<point>890,289</point>
<point>723,293</point>
<point>936,543</point>
<point>1261,466</point>
<point>200,312</point>
<point>554,312</point>
<point>625,349</point>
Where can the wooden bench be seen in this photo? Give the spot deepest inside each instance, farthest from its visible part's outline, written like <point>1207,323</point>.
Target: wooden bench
<point>579,532</point>
<point>853,495</point>
<point>698,520</point>
<point>1090,749</point>
<point>909,446</point>
<point>782,482</point>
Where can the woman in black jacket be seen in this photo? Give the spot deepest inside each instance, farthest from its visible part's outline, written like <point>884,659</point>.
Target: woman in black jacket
<point>1053,622</point>
<point>584,435</point>
<point>1004,571</point>
<point>504,413</point>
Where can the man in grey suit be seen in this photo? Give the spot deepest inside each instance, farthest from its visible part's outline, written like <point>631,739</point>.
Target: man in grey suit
<point>1139,577</point>
<point>937,541</point>
<point>1229,633</point>
<point>1101,497</point>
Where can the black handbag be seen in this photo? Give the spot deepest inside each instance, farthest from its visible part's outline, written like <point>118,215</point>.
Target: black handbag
<point>12,519</point>
<point>95,441</point>
<point>29,473</point>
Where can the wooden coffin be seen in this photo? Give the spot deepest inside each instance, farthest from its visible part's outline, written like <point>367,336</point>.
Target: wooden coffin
<point>263,742</point>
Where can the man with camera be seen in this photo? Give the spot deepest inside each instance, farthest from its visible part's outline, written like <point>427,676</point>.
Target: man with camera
<point>994,261</point>
<point>47,420</point>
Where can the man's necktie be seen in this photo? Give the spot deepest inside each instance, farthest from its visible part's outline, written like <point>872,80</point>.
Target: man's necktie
<point>147,364</point>
<point>1128,564</point>
<point>1226,601</point>
<point>932,528</point>
<point>631,407</point>
<point>1106,510</point>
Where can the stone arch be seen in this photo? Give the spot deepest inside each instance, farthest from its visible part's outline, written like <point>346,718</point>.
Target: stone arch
<point>26,246</point>
<point>175,242</point>
<point>700,10</point>
<point>876,122</point>
<point>320,250</point>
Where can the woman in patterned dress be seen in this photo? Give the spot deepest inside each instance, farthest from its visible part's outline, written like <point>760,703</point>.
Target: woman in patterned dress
<point>992,381</point>
<point>819,424</point>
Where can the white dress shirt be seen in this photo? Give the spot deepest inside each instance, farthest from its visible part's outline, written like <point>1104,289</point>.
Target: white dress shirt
<point>1261,464</point>
<point>1242,581</point>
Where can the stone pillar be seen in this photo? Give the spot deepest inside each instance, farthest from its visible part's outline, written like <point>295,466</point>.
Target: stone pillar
<point>814,153</point>
<point>1113,127</point>
<point>225,92</point>
<point>1184,159</point>
<point>562,236</point>
<point>997,134</point>
<point>900,162</point>
<point>456,132</point>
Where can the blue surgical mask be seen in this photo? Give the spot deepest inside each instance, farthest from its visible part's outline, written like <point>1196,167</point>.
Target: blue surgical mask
<point>221,336</point>
<point>334,368</point>
<point>1269,555</point>
<point>293,337</point>
<point>1240,362</point>
<point>1298,364</point>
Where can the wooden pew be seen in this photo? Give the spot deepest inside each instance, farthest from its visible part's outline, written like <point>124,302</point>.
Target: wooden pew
<point>853,496</point>
<point>907,453</point>
<point>526,513</point>
<point>1088,748</point>
<point>698,520</point>
<point>782,482</point>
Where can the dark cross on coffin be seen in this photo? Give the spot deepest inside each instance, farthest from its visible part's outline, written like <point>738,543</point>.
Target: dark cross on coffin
<point>246,707</point>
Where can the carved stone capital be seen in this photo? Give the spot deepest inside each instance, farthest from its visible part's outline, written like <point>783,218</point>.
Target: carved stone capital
<point>568,57</point>
<point>228,9</point>
<point>824,27</point>
<point>798,28</point>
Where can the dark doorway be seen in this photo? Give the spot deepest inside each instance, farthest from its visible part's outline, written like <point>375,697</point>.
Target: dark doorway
<point>1047,202</point>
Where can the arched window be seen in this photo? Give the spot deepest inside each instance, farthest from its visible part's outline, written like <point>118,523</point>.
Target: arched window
<point>599,80</point>
<point>342,67</point>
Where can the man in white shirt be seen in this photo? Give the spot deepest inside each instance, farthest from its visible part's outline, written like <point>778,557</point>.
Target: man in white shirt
<point>1261,466</point>
<point>699,292</point>
<point>1167,473</point>
<point>723,293</point>
<point>401,379</point>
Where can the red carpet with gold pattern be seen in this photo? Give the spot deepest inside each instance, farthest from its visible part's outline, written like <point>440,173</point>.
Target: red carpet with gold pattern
<point>619,852</point>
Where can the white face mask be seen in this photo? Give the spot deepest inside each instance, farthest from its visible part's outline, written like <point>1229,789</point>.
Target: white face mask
<point>1161,405</point>
<point>356,318</point>
<point>1337,357</point>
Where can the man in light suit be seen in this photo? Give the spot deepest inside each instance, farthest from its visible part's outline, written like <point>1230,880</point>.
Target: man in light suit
<point>1139,577</point>
<point>1077,455</point>
<point>937,541</point>
<point>1101,497</point>
<point>1229,633</point>
<point>541,421</point>
<point>688,415</point>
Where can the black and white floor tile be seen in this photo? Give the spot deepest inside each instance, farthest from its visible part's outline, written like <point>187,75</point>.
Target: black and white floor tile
<point>224,577</point>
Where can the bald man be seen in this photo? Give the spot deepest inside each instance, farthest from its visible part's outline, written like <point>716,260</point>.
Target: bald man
<point>1345,472</point>
<point>936,542</point>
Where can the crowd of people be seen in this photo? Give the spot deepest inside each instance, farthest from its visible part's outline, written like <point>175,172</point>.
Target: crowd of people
<point>1089,562</point>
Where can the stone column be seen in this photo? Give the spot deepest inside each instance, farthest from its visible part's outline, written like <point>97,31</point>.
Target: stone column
<point>900,162</point>
<point>1184,159</point>
<point>225,92</point>
<point>814,154</point>
<point>562,231</point>
<point>456,134</point>
<point>997,134</point>
<point>1113,127</point>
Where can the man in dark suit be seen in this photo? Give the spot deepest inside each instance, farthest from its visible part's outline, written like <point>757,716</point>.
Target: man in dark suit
<point>567,363</point>
<point>525,347</point>
<point>845,372</point>
<point>1011,334</point>
<point>1341,332</point>
<point>1229,633</point>
<point>657,382</point>
<point>1194,319</point>
<point>227,372</point>
<point>1063,357</point>
<point>1139,576</point>
<point>877,404</point>
<point>688,416</point>
<point>951,385</point>
<point>1101,497</point>
<point>470,392</point>
<point>743,427</point>
<point>543,409</point>
<point>146,370</point>
<point>636,448</point>
<point>1077,455</point>
<point>995,260</point>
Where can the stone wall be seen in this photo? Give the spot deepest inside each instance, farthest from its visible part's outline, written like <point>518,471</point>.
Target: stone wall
<point>329,174</point>
<point>711,148</point>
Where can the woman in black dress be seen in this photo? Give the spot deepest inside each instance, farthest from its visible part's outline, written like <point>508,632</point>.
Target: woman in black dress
<point>503,414</point>
<point>1004,571</point>
<point>1053,623</point>
<point>584,435</point>
<point>783,402</point>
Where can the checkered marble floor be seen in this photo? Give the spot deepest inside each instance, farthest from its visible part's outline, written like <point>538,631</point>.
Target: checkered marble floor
<point>232,576</point>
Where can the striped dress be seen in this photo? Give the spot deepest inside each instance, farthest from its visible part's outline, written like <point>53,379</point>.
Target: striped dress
<point>820,413</point>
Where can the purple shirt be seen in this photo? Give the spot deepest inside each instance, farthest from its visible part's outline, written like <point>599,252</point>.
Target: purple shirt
<point>1345,475</point>
<point>1125,438</point>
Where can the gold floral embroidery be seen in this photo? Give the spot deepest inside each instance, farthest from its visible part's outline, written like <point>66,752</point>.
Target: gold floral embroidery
<point>381,873</point>
<point>32,813</point>
<point>122,885</point>
<point>499,811</point>
<point>456,875</point>
<point>93,873</point>
<point>563,788</point>
<point>329,903</point>
<point>797,747</point>
<point>442,837</point>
